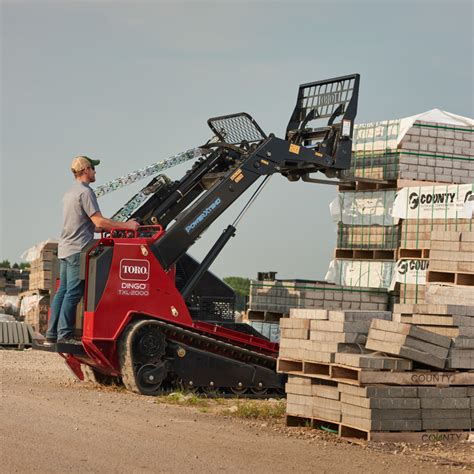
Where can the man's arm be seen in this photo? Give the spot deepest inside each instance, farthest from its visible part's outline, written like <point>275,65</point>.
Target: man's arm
<point>103,224</point>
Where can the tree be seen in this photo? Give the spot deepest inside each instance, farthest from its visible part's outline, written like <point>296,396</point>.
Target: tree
<point>5,264</point>
<point>239,285</point>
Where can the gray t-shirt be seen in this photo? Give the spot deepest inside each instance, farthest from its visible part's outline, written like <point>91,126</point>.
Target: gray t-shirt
<point>79,204</point>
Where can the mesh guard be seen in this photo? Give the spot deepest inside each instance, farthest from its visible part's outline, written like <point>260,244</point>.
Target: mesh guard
<point>236,128</point>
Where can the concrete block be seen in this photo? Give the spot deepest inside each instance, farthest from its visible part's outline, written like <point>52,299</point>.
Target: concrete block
<point>445,403</point>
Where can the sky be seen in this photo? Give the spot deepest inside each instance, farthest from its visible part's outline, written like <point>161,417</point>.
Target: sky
<point>133,82</point>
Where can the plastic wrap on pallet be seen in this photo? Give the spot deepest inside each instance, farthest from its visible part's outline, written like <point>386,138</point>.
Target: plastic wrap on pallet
<point>364,208</point>
<point>411,271</point>
<point>434,146</point>
<point>34,253</point>
<point>368,237</point>
<point>434,202</point>
<point>10,304</point>
<point>388,134</point>
<point>367,273</point>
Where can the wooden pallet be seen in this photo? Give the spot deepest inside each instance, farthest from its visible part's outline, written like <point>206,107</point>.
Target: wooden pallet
<point>360,183</point>
<point>353,433</point>
<point>359,254</point>
<point>413,253</point>
<point>266,316</point>
<point>454,278</point>
<point>360,377</point>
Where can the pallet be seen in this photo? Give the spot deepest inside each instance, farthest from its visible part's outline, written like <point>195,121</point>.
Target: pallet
<point>367,184</point>
<point>413,253</point>
<point>361,377</point>
<point>360,183</point>
<point>266,316</point>
<point>359,254</point>
<point>350,433</point>
<point>453,278</point>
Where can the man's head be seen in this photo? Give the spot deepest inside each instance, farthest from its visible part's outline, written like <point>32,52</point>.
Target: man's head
<point>83,168</point>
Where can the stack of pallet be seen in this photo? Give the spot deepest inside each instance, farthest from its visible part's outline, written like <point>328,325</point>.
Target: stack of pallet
<point>272,299</point>
<point>435,146</point>
<point>384,387</point>
<point>317,335</point>
<point>35,302</point>
<point>12,280</point>
<point>409,341</point>
<point>454,321</point>
<point>427,211</point>
<point>34,310</point>
<point>42,268</point>
<point>385,210</point>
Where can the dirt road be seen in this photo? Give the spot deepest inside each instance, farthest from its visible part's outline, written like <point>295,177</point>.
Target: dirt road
<point>51,423</point>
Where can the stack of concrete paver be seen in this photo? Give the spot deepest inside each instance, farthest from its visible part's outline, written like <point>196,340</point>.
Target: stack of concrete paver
<point>278,296</point>
<point>383,412</point>
<point>409,341</point>
<point>425,150</point>
<point>43,269</point>
<point>452,258</point>
<point>369,376</point>
<point>450,278</point>
<point>317,335</point>
<point>380,376</point>
<point>421,148</point>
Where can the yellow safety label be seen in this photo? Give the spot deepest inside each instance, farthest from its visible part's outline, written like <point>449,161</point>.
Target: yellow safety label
<point>294,149</point>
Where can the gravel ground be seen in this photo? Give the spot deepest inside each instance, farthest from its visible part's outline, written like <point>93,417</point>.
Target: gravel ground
<point>52,423</point>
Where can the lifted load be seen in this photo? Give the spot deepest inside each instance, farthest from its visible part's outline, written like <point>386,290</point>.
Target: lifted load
<point>146,319</point>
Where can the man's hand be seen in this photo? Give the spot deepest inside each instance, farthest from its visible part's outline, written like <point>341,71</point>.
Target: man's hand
<point>130,225</point>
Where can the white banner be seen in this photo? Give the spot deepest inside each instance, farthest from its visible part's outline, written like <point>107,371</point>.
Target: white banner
<point>410,271</point>
<point>364,208</point>
<point>434,202</point>
<point>368,273</point>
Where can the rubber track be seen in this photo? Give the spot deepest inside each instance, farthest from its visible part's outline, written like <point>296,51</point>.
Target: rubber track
<point>203,342</point>
<point>125,357</point>
<point>193,339</point>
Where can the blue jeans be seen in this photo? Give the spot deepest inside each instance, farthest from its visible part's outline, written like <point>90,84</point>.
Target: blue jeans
<point>70,292</point>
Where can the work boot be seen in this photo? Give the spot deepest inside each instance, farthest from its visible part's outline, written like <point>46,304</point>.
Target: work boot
<point>50,341</point>
<point>69,340</point>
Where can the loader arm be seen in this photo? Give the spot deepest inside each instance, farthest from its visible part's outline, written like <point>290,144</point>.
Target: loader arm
<point>241,153</point>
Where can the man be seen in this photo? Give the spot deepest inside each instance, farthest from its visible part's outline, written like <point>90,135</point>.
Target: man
<point>81,217</point>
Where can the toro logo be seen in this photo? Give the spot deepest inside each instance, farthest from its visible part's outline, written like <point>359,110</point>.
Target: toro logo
<point>134,269</point>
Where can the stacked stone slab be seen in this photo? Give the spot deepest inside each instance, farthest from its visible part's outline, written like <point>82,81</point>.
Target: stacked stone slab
<point>312,398</point>
<point>452,258</point>
<point>428,151</point>
<point>43,270</point>
<point>409,341</point>
<point>12,281</point>
<point>317,335</point>
<point>455,321</point>
<point>280,295</point>
<point>381,408</point>
<point>388,156</point>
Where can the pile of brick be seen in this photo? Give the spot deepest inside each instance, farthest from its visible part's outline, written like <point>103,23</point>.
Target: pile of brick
<point>394,161</point>
<point>271,300</point>
<point>453,321</point>
<point>367,376</point>
<point>43,268</point>
<point>35,300</point>
<point>376,374</point>
<point>13,281</point>
<point>420,148</point>
<point>317,335</point>
<point>409,341</point>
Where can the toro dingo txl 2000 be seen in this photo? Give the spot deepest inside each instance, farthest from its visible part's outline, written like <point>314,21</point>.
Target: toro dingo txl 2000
<point>155,318</point>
